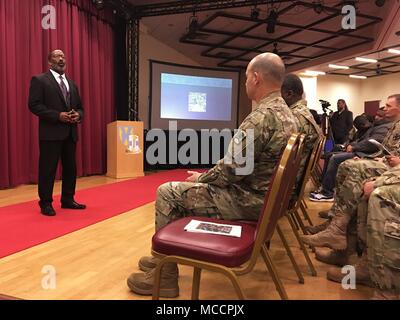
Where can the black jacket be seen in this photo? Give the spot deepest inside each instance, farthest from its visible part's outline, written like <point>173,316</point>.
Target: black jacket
<point>378,132</point>
<point>47,102</point>
<point>341,124</point>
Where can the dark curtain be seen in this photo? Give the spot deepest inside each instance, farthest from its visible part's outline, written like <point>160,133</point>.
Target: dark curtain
<point>86,37</point>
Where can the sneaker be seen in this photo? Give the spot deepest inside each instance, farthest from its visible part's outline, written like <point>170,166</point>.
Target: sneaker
<point>320,197</point>
<point>319,190</point>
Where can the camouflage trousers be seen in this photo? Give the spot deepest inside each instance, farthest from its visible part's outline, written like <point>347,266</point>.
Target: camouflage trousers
<point>350,182</point>
<point>379,229</point>
<point>181,199</point>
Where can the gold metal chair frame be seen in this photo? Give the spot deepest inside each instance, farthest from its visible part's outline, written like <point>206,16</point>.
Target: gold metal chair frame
<point>294,218</point>
<point>293,151</point>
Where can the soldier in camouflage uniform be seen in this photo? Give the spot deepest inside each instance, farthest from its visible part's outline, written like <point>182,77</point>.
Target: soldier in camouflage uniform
<point>349,185</point>
<point>379,232</point>
<point>223,191</point>
<point>292,92</point>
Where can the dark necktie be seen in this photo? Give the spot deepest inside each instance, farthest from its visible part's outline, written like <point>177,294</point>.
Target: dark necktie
<point>63,88</point>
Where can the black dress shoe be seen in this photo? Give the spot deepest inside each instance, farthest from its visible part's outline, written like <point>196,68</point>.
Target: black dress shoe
<point>47,210</point>
<point>72,205</point>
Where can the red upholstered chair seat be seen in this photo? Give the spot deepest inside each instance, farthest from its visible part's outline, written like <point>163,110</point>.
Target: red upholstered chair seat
<point>225,250</point>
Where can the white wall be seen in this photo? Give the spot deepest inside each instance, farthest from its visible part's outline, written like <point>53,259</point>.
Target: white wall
<point>152,49</point>
<point>380,88</point>
<point>310,93</point>
<point>332,88</point>
<point>356,91</point>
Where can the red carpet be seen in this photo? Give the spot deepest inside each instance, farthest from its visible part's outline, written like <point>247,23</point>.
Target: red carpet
<point>22,226</point>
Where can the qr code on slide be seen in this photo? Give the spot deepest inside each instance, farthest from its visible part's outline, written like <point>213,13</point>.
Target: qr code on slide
<point>197,102</point>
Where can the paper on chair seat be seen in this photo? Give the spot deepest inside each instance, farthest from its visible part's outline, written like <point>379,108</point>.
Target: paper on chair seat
<point>214,228</point>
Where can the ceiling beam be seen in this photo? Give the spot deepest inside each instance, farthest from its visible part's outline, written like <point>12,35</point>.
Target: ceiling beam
<point>176,7</point>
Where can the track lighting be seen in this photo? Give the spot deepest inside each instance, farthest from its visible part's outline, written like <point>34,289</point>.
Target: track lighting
<point>100,4</point>
<point>318,8</point>
<point>255,13</point>
<point>272,20</point>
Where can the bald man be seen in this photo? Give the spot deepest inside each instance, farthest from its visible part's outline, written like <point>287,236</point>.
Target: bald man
<point>227,191</point>
<point>55,99</point>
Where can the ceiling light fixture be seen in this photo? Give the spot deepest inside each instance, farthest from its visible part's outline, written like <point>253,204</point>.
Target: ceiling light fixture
<point>336,66</point>
<point>272,20</point>
<point>275,50</point>
<point>378,70</point>
<point>394,51</point>
<point>317,5</point>
<point>255,13</point>
<point>366,60</point>
<point>357,77</point>
<point>99,4</point>
<point>193,24</point>
<point>314,73</point>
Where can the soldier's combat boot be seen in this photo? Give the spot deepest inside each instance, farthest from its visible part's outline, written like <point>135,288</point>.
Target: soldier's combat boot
<point>148,263</point>
<point>380,294</point>
<point>143,283</point>
<point>362,273</point>
<point>333,257</point>
<point>338,257</point>
<point>317,228</point>
<point>334,236</point>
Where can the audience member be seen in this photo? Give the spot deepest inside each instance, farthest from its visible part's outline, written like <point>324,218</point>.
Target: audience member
<point>350,184</point>
<point>341,122</point>
<point>222,192</point>
<point>292,92</point>
<point>360,147</point>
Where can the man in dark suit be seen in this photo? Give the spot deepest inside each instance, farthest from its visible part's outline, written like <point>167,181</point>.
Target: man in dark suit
<point>55,99</point>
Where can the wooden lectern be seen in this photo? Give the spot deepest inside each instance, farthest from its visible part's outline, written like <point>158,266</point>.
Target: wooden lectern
<point>125,149</point>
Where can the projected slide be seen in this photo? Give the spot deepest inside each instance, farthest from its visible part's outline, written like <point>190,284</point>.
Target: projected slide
<point>195,98</point>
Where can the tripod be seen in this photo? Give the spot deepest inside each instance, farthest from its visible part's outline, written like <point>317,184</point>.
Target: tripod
<point>326,126</point>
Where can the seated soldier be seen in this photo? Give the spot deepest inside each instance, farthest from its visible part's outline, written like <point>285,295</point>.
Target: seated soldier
<point>292,92</point>
<point>378,230</point>
<point>350,181</point>
<point>224,192</point>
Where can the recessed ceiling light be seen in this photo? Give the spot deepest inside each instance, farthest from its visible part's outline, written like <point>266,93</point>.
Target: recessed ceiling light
<point>366,60</point>
<point>314,73</point>
<point>336,66</point>
<point>395,51</point>
<point>357,77</point>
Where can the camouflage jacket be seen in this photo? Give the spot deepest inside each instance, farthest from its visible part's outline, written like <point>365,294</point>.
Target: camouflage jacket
<point>238,187</point>
<point>390,177</point>
<point>392,139</point>
<point>307,123</point>
<point>310,128</point>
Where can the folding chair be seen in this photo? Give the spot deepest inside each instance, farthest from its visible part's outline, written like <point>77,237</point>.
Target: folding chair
<point>316,172</point>
<point>231,256</point>
<point>300,204</point>
<point>294,218</point>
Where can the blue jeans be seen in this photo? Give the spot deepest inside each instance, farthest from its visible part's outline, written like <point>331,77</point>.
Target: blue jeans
<point>328,180</point>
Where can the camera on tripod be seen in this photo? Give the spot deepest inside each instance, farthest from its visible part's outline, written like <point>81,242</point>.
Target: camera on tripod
<point>325,105</point>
